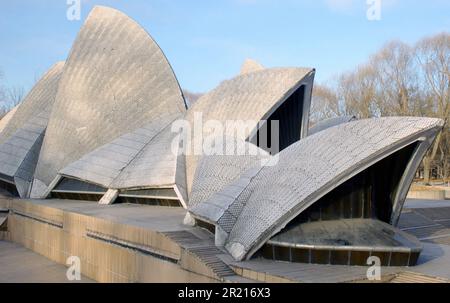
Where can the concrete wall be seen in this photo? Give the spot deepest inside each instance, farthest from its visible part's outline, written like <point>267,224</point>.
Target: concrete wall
<point>57,235</point>
<point>429,194</point>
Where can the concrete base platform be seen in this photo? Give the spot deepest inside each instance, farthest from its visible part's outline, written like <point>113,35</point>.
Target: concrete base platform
<point>118,243</point>
<point>137,243</point>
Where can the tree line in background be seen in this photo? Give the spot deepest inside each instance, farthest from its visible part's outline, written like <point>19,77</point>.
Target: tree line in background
<point>399,80</point>
<point>9,96</point>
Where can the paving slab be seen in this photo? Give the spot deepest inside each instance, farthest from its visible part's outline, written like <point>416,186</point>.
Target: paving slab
<point>20,265</point>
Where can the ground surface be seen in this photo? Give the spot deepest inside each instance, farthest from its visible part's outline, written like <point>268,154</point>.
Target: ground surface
<point>20,265</point>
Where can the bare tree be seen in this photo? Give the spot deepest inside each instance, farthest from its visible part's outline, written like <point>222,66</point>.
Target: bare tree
<point>399,80</point>
<point>325,104</point>
<point>15,95</point>
<point>396,79</point>
<point>3,99</point>
<point>9,96</point>
<point>433,56</point>
<point>191,97</point>
<point>356,90</point>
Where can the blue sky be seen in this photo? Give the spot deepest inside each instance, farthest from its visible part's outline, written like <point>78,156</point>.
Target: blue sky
<point>207,40</point>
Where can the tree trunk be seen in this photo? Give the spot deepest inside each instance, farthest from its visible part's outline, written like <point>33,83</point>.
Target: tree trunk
<point>426,170</point>
<point>429,159</point>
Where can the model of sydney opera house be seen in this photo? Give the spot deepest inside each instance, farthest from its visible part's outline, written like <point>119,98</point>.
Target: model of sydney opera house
<point>100,127</point>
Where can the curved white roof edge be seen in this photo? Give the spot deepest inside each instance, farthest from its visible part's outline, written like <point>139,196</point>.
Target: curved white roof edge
<point>117,84</point>
<point>327,123</point>
<point>6,118</point>
<point>40,99</point>
<point>24,134</point>
<point>252,97</point>
<point>105,164</point>
<point>140,160</point>
<point>250,66</point>
<point>306,175</point>
<point>219,178</point>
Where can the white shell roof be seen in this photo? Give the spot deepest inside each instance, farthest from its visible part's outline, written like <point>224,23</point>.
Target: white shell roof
<point>250,66</point>
<point>39,99</point>
<point>307,170</point>
<point>327,123</point>
<point>151,162</point>
<point>104,165</point>
<point>23,135</point>
<point>15,149</point>
<point>115,81</point>
<point>215,177</point>
<point>154,166</point>
<point>6,118</point>
<point>248,97</point>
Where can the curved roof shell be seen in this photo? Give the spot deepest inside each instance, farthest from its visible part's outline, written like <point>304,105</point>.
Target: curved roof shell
<point>138,160</point>
<point>116,80</point>
<point>327,123</point>
<point>250,66</point>
<point>151,163</point>
<point>309,169</point>
<point>40,99</point>
<point>23,135</point>
<point>158,165</point>
<point>217,172</point>
<point>6,118</point>
<point>105,164</point>
<point>250,97</point>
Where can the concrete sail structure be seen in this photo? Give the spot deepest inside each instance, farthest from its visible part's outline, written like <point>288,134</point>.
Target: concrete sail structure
<point>148,169</point>
<point>116,80</point>
<point>152,168</point>
<point>276,94</point>
<point>216,172</point>
<point>251,66</point>
<point>357,170</point>
<point>21,139</point>
<point>219,180</point>
<point>327,123</point>
<point>39,99</point>
<point>136,162</point>
<point>5,120</point>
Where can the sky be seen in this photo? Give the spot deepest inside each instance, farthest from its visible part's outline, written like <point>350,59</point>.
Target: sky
<point>206,41</point>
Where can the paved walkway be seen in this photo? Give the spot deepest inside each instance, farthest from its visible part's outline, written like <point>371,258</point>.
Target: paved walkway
<point>421,203</point>
<point>20,265</point>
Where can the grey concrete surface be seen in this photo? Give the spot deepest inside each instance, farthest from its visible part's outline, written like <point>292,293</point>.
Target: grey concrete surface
<point>20,265</point>
<point>420,203</point>
<point>162,219</point>
<point>434,261</point>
